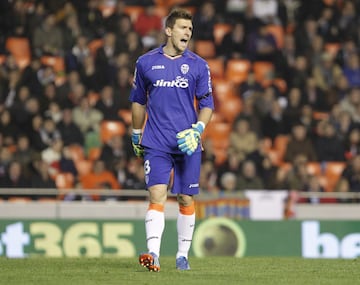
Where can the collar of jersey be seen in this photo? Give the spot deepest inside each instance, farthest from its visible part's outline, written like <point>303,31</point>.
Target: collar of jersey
<point>161,50</point>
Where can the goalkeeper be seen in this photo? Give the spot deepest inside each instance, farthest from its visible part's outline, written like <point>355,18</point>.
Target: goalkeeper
<point>167,80</point>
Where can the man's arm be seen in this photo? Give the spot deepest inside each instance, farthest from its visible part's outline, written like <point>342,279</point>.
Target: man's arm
<point>205,115</point>
<point>138,119</point>
<point>138,115</point>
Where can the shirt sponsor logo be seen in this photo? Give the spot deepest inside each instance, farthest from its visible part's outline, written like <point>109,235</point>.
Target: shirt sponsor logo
<point>158,67</point>
<point>178,82</point>
<point>194,185</point>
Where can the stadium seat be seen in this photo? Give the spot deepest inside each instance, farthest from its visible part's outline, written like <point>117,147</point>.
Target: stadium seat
<point>110,128</point>
<point>332,173</point>
<point>332,48</point>
<point>20,49</point>
<point>318,116</point>
<point>220,30</point>
<point>280,145</point>
<point>126,115</point>
<point>2,58</point>
<point>94,153</point>
<point>314,168</point>
<point>93,97</point>
<point>76,151</point>
<point>217,68</point>
<point>64,180</point>
<point>264,72</point>
<point>223,89</point>
<point>83,166</point>
<point>161,11</point>
<point>278,33</point>
<point>230,108</point>
<point>134,11</point>
<point>219,133</point>
<point>237,70</point>
<point>205,48</point>
<point>280,84</point>
<point>94,45</point>
<point>58,65</point>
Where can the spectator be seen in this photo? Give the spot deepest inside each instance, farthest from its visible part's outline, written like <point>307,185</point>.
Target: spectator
<point>77,54</point>
<point>105,60</point>
<point>148,25</point>
<point>242,140</point>
<point>273,123</point>
<point>228,183</point>
<point>112,151</point>
<point>352,71</point>
<point>48,38</point>
<point>14,178</point>
<point>88,74</point>
<point>204,21</point>
<point>328,146</point>
<point>91,18</point>
<point>112,22</point>
<point>314,186</point>
<point>249,179</point>
<point>99,178</point>
<point>351,175</point>
<point>122,87</point>
<point>266,11</point>
<point>326,73</point>
<point>8,128</point>
<point>52,156</point>
<point>314,96</point>
<point>108,104</point>
<point>24,154</point>
<point>41,179</point>
<point>86,117</point>
<point>134,177</point>
<point>208,177</point>
<point>69,131</point>
<point>298,176</point>
<point>66,163</point>
<point>48,132</point>
<point>262,45</point>
<point>233,44</point>
<point>299,144</point>
<point>352,144</point>
<point>292,111</point>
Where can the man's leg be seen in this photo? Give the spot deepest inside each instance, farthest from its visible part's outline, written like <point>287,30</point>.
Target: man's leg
<point>154,227</point>
<point>185,229</point>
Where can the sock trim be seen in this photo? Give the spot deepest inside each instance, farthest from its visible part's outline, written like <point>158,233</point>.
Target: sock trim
<point>156,207</point>
<point>187,210</point>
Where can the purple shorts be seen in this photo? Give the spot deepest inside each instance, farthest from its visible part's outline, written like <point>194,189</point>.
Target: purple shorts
<point>158,166</point>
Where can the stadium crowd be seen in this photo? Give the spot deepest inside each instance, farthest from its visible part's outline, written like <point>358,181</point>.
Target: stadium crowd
<point>286,81</point>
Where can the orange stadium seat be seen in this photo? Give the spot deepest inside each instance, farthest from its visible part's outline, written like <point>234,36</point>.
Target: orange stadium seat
<point>314,168</point>
<point>280,84</point>
<point>237,70</point>
<point>332,173</point>
<point>217,68</point>
<point>83,166</point>
<point>230,108</point>
<point>332,48</point>
<point>223,89</point>
<point>218,132</point>
<point>278,33</point>
<point>134,12</point>
<point>126,115</point>
<point>93,97</point>
<point>94,153</point>
<point>280,145</point>
<point>76,151</point>
<point>58,65</point>
<point>220,30</point>
<point>20,49</point>
<point>94,45</point>
<point>205,48</point>
<point>264,72</point>
<point>2,58</point>
<point>108,129</point>
<point>64,180</point>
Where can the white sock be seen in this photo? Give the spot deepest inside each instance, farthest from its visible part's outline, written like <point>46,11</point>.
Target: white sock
<point>154,226</point>
<point>185,229</point>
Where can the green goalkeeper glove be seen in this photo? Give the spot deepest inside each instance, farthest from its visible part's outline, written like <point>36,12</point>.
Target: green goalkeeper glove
<point>188,140</point>
<point>135,140</point>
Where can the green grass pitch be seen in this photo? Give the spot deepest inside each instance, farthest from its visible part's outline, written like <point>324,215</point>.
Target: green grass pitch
<point>217,270</point>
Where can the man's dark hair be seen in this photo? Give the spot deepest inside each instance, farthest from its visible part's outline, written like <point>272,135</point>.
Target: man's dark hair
<point>177,14</point>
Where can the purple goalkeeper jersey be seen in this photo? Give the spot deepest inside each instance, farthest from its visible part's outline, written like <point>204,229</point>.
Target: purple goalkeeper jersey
<point>168,87</point>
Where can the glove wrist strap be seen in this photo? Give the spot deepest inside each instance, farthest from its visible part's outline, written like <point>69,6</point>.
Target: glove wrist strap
<point>136,131</point>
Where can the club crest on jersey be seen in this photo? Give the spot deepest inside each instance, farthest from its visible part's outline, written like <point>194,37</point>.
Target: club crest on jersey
<point>184,68</point>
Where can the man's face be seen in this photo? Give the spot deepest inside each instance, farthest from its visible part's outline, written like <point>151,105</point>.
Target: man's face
<point>180,34</point>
